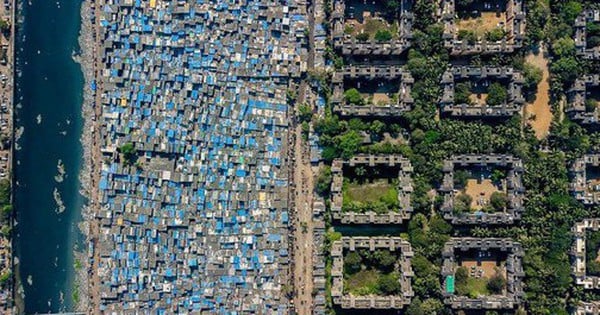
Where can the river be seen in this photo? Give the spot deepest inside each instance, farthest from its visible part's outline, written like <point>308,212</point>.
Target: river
<point>50,96</point>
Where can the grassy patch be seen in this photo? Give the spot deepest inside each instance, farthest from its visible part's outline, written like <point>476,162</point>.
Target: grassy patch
<point>477,287</point>
<point>379,196</point>
<point>363,282</point>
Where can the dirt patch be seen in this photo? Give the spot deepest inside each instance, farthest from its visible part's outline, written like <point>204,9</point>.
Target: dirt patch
<point>381,99</point>
<point>478,99</point>
<point>483,268</point>
<point>370,26</point>
<point>480,191</point>
<point>540,110</point>
<point>488,21</point>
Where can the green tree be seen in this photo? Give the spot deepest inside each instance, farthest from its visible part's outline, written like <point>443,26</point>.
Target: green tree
<point>349,143</point>
<point>461,178</point>
<point>388,284</point>
<point>571,10</point>
<point>324,181</point>
<point>496,283</point>
<point>564,47</point>
<point>566,70</point>
<point>462,203</point>
<point>467,35</point>
<point>497,94</point>
<point>495,35</point>
<point>462,93</point>
<point>533,76</point>
<point>497,175</point>
<point>352,262</point>
<point>353,96</point>
<point>305,113</point>
<point>5,277</point>
<point>383,36</point>
<point>432,306</point>
<point>498,201</point>
<point>129,153</point>
<point>385,260</point>
<point>392,5</point>
<point>4,26</point>
<point>362,37</point>
<point>460,281</point>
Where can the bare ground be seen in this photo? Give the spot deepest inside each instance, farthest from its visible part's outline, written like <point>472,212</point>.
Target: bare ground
<point>303,226</point>
<point>480,192</point>
<point>540,110</point>
<point>487,22</point>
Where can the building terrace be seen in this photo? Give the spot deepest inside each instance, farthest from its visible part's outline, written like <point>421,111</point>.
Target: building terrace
<point>353,20</point>
<point>396,174</point>
<point>372,244</point>
<point>587,308</point>
<point>583,100</point>
<point>498,177</point>
<point>481,258</point>
<point>585,253</point>
<point>587,34</point>
<point>585,184</point>
<point>384,91</point>
<point>483,27</point>
<point>482,92</point>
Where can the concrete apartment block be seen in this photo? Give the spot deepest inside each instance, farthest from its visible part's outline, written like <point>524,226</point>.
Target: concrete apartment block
<point>582,185</point>
<point>587,308</point>
<point>581,44</point>
<point>366,73</point>
<point>514,273</point>
<point>514,26</point>
<point>349,45</point>
<point>405,189</point>
<point>513,79</point>
<point>395,244</point>
<point>515,189</point>
<point>577,97</point>
<point>578,252</point>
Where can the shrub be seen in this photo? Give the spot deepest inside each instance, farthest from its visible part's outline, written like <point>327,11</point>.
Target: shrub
<point>462,203</point>
<point>497,94</point>
<point>498,200</point>
<point>590,105</point>
<point>468,36</point>
<point>495,35</point>
<point>383,36</point>
<point>362,37</point>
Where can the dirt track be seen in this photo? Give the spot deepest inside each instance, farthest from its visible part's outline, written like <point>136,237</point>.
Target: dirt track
<point>303,227</point>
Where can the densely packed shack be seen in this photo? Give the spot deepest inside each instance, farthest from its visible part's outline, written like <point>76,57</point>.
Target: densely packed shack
<point>195,183</point>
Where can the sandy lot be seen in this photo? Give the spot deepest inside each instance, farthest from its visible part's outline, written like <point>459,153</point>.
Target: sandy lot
<point>478,99</point>
<point>488,267</point>
<point>480,192</point>
<point>381,98</point>
<point>540,109</point>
